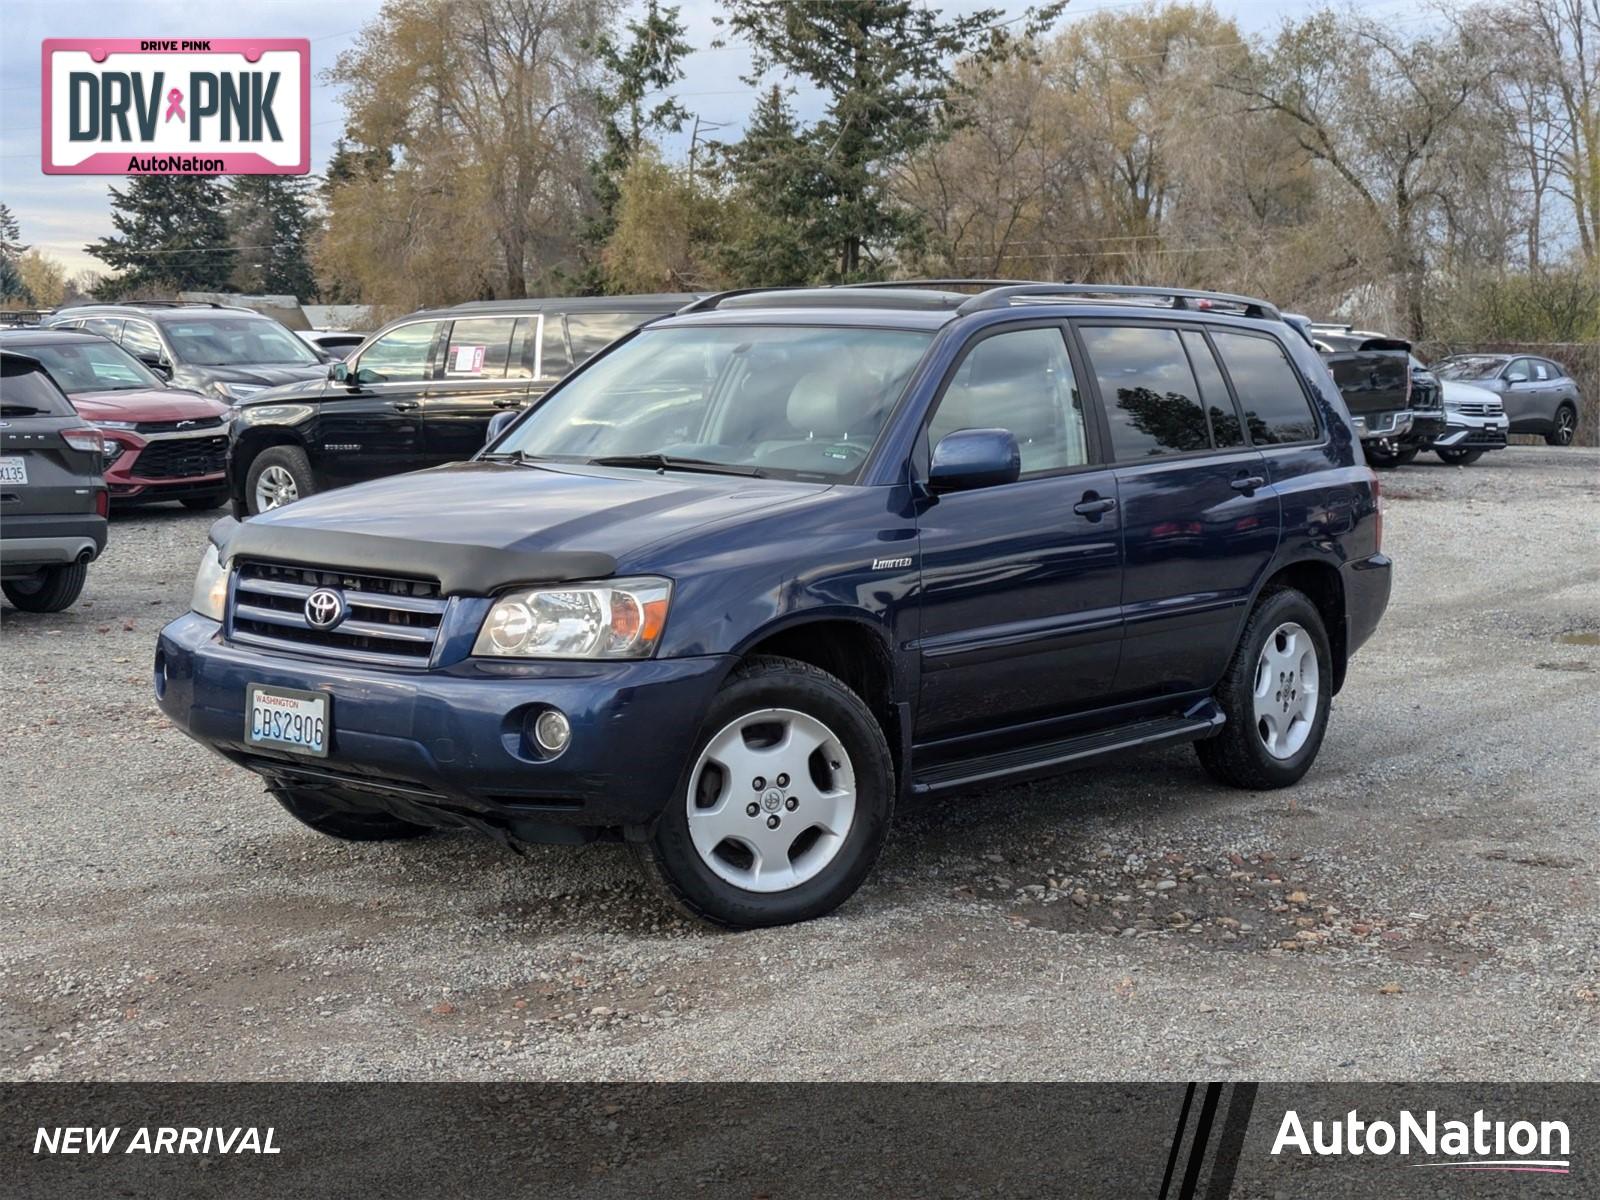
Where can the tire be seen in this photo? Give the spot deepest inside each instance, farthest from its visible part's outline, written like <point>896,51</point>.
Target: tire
<point>1459,457</point>
<point>204,503</point>
<point>721,879</point>
<point>1240,754</point>
<point>51,590</point>
<point>1565,427</point>
<point>1406,457</point>
<point>287,470</point>
<point>346,824</point>
<point>1379,457</point>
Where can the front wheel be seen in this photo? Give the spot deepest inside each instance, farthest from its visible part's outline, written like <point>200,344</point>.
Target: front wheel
<point>1380,455</point>
<point>1275,695</point>
<point>279,475</point>
<point>1565,427</point>
<point>339,821</point>
<point>51,590</point>
<point>785,804</point>
<point>1459,457</point>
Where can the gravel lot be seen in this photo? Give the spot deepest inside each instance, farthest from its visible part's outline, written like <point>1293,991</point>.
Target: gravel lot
<point>1424,905</point>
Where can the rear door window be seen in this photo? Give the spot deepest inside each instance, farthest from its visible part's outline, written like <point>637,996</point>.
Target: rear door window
<point>1151,397</point>
<point>402,355</point>
<point>1226,432</point>
<point>1276,409</point>
<point>479,348</point>
<point>554,361</point>
<point>591,332</point>
<point>104,326</point>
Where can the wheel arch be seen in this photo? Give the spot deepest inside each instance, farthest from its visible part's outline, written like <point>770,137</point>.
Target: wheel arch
<point>1320,581</point>
<point>854,650</point>
<point>247,449</point>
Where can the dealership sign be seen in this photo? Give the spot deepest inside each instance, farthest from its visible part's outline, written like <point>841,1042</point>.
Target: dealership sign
<point>126,106</point>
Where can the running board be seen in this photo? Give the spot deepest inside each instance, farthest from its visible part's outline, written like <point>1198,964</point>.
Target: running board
<point>1200,721</point>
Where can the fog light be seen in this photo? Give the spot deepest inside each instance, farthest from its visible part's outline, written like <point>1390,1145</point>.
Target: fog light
<point>552,731</point>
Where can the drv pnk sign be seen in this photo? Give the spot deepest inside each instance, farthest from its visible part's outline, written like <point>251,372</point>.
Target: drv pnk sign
<point>130,106</point>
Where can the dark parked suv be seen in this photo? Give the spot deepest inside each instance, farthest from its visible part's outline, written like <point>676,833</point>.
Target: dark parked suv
<point>53,500</point>
<point>229,353</point>
<point>762,569</point>
<point>419,392</point>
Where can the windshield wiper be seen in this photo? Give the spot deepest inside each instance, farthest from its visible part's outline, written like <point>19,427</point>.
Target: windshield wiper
<point>19,410</point>
<point>668,462</point>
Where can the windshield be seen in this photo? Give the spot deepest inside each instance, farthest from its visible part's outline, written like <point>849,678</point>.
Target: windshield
<point>93,367</point>
<point>236,341</point>
<point>801,402</point>
<point>1474,366</point>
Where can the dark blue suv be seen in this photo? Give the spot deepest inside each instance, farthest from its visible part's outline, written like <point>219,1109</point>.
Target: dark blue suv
<point>766,566</point>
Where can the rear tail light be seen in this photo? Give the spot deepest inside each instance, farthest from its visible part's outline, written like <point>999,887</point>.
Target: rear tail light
<point>102,503</point>
<point>1377,508</point>
<point>88,439</point>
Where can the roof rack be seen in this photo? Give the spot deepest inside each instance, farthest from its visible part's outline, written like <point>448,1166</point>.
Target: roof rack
<point>1179,298</point>
<point>149,304</point>
<point>946,283</point>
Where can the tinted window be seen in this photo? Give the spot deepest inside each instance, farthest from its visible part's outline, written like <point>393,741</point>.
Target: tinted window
<point>591,332</point>
<point>479,349</point>
<point>234,341</point>
<point>1225,429</point>
<point>1275,406</point>
<point>402,354</point>
<point>554,361</point>
<point>139,338</point>
<point>92,366</point>
<point>27,392</point>
<point>1021,381</point>
<point>1473,366</point>
<point>1151,397</point>
<point>102,326</point>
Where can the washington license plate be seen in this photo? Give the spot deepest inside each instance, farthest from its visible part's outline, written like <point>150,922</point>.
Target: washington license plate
<point>291,720</point>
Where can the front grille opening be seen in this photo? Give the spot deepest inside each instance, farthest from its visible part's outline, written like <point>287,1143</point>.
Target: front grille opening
<point>181,459</point>
<point>389,620</point>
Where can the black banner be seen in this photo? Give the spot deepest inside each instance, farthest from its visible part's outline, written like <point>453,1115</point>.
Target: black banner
<point>777,1141</point>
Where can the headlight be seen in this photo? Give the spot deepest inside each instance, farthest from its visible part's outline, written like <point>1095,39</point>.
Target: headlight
<point>237,391</point>
<point>210,585</point>
<point>622,618</point>
<point>113,451</point>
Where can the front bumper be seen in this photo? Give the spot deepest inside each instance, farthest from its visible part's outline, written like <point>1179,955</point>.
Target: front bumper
<point>168,465</point>
<point>1464,432</point>
<point>448,746</point>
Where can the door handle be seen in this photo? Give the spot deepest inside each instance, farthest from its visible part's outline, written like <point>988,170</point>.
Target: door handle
<point>406,405</point>
<point>1092,506</point>
<point>1247,483</point>
<point>509,403</point>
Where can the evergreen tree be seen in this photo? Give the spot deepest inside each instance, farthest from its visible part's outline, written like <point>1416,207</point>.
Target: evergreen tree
<point>172,235</point>
<point>11,251</point>
<point>888,67</point>
<point>649,62</point>
<point>270,222</point>
<point>771,233</point>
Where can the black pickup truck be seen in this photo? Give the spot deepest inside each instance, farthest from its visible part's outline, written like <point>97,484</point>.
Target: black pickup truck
<point>1396,403</point>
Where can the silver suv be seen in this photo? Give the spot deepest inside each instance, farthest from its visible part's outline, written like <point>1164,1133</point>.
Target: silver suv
<point>1538,394</point>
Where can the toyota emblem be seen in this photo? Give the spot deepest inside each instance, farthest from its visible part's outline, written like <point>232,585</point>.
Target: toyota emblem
<point>324,608</point>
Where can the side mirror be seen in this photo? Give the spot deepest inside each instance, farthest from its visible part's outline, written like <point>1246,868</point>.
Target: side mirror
<point>499,423</point>
<point>157,364</point>
<point>338,372</point>
<point>1516,377</point>
<point>974,458</point>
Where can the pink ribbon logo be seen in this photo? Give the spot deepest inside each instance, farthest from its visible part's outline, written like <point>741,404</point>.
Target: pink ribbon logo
<point>175,105</point>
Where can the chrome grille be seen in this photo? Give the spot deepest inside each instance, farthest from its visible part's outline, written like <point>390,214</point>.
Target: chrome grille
<point>391,622</point>
<point>1477,410</point>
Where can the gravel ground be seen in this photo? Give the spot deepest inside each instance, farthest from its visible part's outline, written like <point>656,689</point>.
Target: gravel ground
<point>1423,905</point>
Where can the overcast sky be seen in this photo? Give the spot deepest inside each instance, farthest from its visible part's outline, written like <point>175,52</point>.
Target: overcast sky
<point>60,213</point>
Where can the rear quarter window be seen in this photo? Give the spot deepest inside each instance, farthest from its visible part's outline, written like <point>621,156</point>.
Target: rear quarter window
<point>1276,410</point>
<point>591,332</point>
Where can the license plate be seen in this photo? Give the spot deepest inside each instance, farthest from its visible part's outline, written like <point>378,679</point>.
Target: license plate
<point>13,470</point>
<point>288,719</point>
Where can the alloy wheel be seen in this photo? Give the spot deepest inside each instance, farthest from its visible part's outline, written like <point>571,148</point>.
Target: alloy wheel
<point>1566,424</point>
<point>275,487</point>
<point>771,800</point>
<point>1286,690</point>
